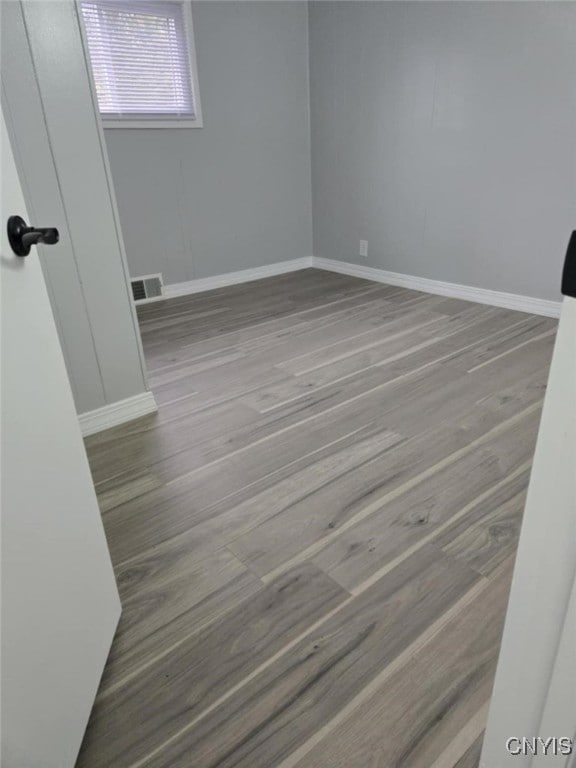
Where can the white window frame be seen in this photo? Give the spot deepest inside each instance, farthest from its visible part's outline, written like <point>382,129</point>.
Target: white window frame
<point>179,121</point>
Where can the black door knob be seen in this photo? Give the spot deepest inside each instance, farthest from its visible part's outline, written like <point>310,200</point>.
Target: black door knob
<point>569,273</point>
<point>22,237</point>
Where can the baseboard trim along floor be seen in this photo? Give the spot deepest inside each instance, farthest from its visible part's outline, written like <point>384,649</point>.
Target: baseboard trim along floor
<point>516,301</point>
<point>117,413</point>
<point>233,278</point>
<point>454,290</point>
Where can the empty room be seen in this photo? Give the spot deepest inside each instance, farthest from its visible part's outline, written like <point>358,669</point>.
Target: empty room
<point>288,384</point>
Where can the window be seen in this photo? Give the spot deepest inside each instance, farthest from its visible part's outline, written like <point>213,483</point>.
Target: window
<point>143,62</point>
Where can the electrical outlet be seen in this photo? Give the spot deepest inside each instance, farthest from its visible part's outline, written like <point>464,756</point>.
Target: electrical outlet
<point>364,248</point>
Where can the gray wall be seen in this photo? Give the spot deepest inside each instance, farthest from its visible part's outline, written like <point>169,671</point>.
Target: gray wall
<point>445,135</point>
<point>62,165</point>
<point>234,194</point>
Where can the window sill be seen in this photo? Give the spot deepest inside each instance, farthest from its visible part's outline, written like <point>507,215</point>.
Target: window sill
<point>151,124</point>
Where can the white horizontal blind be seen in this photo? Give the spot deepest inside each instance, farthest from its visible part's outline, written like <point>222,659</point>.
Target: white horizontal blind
<point>140,58</point>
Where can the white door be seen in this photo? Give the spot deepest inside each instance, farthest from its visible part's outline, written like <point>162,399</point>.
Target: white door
<point>559,715</point>
<point>534,692</point>
<point>60,605</point>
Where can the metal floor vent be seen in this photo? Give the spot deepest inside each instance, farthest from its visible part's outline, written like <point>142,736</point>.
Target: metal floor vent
<point>146,287</point>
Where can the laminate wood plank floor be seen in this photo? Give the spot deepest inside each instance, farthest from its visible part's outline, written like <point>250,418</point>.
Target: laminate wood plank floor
<point>314,537</point>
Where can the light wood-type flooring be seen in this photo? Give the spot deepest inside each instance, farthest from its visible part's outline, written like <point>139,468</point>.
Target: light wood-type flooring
<point>314,537</point>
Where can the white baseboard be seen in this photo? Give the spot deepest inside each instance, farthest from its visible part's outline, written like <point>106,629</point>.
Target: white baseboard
<point>466,292</point>
<point>117,413</point>
<point>233,278</point>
